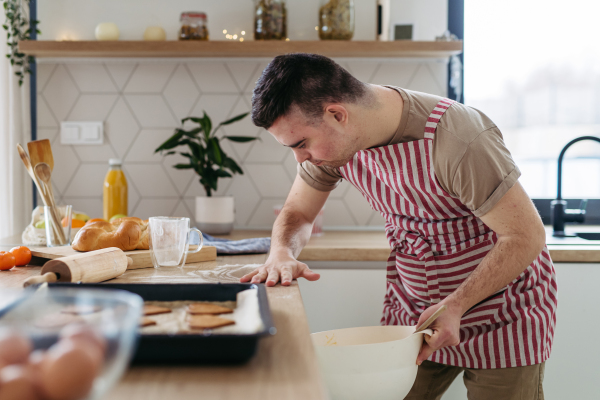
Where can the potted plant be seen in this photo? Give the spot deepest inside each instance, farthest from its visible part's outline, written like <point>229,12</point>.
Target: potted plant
<point>214,215</point>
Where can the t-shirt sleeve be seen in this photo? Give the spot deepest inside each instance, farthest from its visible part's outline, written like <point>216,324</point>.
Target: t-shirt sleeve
<point>321,178</point>
<point>485,173</point>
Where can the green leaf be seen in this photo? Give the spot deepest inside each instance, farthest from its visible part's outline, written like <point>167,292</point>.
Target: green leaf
<point>240,139</point>
<point>193,119</point>
<point>230,164</point>
<point>206,123</point>
<point>216,151</point>
<point>223,174</point>
<point>171,142</point>
<point>234,119</point>
<point>183,166</point>
<point>193,133</point>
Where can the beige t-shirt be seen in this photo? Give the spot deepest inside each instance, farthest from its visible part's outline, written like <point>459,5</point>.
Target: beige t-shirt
<point>470,159</point>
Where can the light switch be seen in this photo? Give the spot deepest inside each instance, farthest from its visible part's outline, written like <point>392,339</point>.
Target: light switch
<point>81,132</point>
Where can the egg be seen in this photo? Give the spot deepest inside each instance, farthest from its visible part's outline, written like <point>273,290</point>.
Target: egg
<point>68,371</point>
<point>34,364</point>
<point>14,347</point>
<point>84,332</point>
<point>16,383</point>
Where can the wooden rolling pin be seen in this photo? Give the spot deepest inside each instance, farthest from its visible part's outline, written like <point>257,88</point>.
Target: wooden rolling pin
<point>89,267</point>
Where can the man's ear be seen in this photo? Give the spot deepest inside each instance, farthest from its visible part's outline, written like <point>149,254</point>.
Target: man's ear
<point>337,111</point>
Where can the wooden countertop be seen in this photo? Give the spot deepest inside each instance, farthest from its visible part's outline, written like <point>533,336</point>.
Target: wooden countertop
<point>370,245</point>
<point>285,366</point>
<point>373,246</point>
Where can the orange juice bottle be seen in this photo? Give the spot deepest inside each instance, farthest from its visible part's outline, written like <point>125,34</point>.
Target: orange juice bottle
<point>115,190</point>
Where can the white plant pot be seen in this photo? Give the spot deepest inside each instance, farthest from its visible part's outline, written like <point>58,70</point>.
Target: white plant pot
<point>215,215</point>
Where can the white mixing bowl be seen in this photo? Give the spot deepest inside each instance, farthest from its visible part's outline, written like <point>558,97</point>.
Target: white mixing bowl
<point>374,362</point>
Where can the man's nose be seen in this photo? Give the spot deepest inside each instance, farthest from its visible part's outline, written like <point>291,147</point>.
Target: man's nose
<point>300,155</point>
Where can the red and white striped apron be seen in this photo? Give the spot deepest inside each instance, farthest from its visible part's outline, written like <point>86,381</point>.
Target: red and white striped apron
<point>436,243</point>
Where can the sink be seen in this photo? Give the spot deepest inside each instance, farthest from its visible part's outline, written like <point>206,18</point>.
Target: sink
<point>589,235</point>
<point>576,238</point>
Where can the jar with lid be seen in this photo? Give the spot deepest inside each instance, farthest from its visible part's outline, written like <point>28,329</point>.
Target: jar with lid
<point>270,20</point>
<point>193,26</point>
<point>336,20</point>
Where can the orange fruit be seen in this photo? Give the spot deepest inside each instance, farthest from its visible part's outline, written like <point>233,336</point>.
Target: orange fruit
<point>22,255</point>
<point>95,220</point>
<point>75,223</point>
<point>7,260</point>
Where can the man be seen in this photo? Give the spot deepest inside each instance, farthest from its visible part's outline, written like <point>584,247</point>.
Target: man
<point>462,230</point>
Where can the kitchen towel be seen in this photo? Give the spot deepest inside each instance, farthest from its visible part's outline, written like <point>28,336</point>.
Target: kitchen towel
<point>244,246</point>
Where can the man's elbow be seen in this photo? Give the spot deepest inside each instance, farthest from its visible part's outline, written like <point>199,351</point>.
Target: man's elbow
<point>537,238</point>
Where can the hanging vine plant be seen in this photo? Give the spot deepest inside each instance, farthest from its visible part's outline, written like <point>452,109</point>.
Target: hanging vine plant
<point>18,27</point>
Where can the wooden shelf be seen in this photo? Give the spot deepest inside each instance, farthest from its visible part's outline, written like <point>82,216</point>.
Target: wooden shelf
<point>238,49</point>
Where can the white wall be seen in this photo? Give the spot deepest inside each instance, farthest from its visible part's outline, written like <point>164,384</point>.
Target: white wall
<point>429,17</point>
<point>141,101</point>
<point>76,19</point>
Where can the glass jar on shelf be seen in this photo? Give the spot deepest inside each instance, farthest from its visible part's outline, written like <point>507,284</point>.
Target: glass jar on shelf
<point>193,26</point>
<point>270,20</point>
<point>336,20</point>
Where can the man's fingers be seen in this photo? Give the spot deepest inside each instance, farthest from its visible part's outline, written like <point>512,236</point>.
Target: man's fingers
<point>247,277</point>
<point>309,275</point>
<point>426,351</point>
<point>286,276</point>
<point>273,277</point>
<point>260,276</point>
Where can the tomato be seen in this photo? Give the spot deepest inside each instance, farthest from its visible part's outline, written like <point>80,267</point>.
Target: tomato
<point>7,260</point>
<point>22,255</point>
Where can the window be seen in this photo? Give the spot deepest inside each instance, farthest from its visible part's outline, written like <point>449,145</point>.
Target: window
<point>533,66</point>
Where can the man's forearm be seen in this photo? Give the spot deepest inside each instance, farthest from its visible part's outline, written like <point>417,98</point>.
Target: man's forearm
<point>506,261</point>
<point>291,232</point>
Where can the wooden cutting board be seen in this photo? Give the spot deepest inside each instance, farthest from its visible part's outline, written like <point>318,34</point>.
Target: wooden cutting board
<point>141,258</point>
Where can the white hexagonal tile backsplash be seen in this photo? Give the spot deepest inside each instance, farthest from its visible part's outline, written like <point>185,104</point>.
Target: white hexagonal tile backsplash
<point>142,102</point>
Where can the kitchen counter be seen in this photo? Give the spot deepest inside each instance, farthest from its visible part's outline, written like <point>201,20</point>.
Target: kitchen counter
<point>369,245</point>
<point>373,246</point>
<point>284,368</point>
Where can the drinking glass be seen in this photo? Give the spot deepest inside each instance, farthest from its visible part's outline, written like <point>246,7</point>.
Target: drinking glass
<point>169,241</point>
<point>54,225</point>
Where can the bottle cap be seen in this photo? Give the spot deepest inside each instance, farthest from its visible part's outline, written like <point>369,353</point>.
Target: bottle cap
<point>115,161</point>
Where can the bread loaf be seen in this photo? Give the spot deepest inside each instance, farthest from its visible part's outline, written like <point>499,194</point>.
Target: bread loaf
<point>128,233</point>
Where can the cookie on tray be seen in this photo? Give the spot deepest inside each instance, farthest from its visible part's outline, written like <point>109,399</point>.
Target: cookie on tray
<point>208,322</point>
<point>153,310</point>
<point>207,308</point>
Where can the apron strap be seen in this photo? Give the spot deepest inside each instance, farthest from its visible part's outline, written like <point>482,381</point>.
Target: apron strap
<point>435,117</point>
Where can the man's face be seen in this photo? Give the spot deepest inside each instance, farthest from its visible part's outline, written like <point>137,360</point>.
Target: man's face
<point>323,143</point>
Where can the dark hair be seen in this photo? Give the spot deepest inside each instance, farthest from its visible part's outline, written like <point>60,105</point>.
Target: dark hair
<point>304,80</point>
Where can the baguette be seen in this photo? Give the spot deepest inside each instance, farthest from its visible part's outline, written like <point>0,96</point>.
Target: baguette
<point>128,233</point>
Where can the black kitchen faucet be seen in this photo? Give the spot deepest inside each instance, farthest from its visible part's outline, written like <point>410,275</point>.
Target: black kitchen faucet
<point>559,214</point>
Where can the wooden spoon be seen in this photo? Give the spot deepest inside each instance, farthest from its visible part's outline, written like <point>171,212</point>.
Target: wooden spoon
<point>430,320</point>
<point>29,168</point>
<point>25,158</point>
<point>44,174</point>
<point>40,151</point>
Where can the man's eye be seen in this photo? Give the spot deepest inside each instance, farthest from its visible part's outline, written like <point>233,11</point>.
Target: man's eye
<point>302,146</point>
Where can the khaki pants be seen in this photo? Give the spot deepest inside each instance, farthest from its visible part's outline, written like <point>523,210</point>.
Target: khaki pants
<point>519,383</point>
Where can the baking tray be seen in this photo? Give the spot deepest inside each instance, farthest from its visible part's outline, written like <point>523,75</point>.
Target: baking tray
<point>201,348</point>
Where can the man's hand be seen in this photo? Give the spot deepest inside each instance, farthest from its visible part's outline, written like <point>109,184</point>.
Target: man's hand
<point>284,269</point>
<point>446,330</point>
